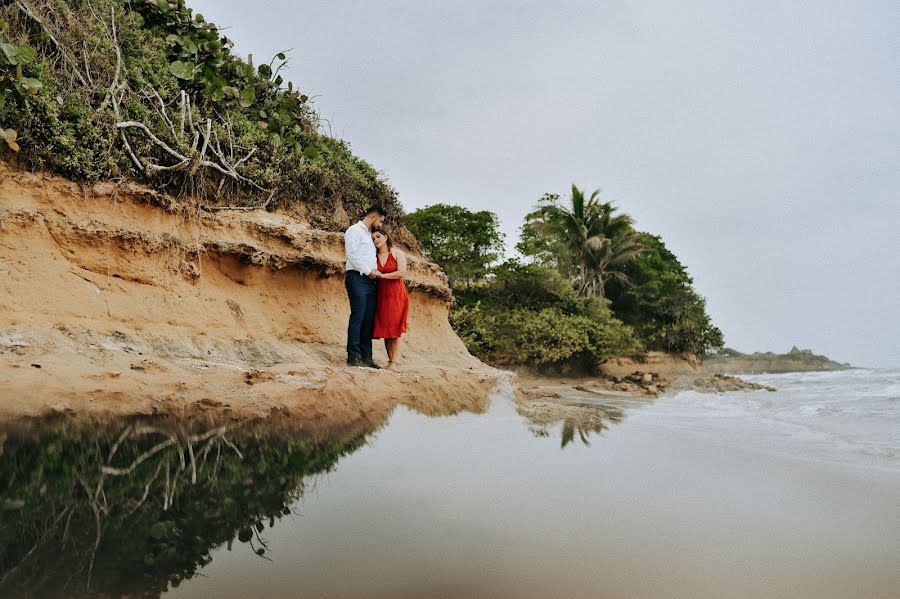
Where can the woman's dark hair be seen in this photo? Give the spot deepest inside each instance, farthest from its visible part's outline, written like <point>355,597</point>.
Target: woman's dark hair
<point>385,233</point>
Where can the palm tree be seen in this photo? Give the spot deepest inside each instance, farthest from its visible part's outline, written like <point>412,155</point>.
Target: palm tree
<point>588,238</point>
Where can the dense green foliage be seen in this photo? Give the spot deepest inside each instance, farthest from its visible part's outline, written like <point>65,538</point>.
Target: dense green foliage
<point>463,242</point>
<point>529,314</point>
<point>148,89</point>
<point>597,288</point>
<point>71,526</point>
<point>660,302</point>
<point>585,239</point>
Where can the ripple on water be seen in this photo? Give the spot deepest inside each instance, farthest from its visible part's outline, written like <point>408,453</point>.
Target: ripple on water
<point>850,417</point>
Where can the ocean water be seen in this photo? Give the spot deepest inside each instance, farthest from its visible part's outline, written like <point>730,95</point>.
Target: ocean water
<point>849,417</point>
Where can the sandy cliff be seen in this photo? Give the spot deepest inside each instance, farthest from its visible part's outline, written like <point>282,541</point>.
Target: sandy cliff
<point>114,299</point>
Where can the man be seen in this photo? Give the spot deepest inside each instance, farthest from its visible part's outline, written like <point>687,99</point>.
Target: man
<point>362,270</point>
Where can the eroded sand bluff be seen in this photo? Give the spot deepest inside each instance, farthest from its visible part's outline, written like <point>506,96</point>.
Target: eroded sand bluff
<point>115,299</point>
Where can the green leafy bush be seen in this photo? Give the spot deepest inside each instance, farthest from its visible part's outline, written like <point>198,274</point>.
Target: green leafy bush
<point>530,315</point>
<point>14,58</point>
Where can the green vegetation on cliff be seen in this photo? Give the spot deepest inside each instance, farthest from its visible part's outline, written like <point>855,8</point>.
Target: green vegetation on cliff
<point>148,89</point>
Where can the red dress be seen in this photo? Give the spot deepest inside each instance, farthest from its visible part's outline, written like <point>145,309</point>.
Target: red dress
<point>393,303</point>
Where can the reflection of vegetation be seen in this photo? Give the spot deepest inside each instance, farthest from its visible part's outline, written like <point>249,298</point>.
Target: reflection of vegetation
<point>135,506</point>
<point>582,419</point>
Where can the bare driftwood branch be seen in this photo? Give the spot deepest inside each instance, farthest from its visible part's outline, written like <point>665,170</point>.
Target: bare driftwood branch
<point>130,151</point>
<point>96,510</point>
<point>184,162</point>
<point>139,460</point>
<point>156,140</point>
<point>184,109</point>
<point>166,489</point>
<point>115,82</point>
<point>233,446</point>
<point>190,447</point>
<point>112,452</point>
<point>162,110</point>
<point>140,502</point>
<point>206,139</point>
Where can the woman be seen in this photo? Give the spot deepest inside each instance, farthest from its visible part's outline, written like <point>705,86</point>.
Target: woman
<point>393,301</point>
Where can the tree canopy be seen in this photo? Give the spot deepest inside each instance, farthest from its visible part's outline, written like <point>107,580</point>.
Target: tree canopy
<point>584,238</point>
<point>660,302</point>
<point>464,243</point>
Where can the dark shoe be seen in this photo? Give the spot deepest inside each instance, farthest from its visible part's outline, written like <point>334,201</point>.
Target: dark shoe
<point>371,364</point>
<point>358,363</point>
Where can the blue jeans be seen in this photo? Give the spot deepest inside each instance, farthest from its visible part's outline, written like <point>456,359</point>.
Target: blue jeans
<point>361,291</point>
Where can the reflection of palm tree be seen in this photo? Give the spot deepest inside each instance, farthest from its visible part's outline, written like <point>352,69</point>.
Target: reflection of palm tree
<point>581,419</point>
<point>597,240</point>
<point>595,420</point>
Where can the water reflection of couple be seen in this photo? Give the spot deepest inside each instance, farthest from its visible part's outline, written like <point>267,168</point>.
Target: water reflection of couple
<point>379,303</point>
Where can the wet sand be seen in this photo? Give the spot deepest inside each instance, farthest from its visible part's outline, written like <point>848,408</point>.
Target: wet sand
<point>491,505</point>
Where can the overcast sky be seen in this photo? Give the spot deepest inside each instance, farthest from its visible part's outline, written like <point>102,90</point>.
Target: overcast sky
<point>761,140</point>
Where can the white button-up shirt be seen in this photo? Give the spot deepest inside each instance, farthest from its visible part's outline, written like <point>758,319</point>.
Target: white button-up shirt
<point>360,249</point>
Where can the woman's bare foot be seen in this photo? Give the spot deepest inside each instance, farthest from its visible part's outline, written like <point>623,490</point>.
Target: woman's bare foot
<point>391,366</point>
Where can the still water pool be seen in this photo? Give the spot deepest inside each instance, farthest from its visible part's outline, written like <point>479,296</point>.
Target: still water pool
<point>469,505</point>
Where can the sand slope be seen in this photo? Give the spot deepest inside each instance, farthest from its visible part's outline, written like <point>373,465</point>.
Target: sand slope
<point>114,299</point>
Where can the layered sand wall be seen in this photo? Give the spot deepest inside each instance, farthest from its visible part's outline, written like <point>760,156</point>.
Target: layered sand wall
<point>117,299</point>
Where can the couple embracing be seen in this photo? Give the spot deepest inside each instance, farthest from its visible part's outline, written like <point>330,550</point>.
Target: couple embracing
<point>379,304</point>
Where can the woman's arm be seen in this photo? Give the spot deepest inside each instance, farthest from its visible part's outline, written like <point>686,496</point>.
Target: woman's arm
<point>401,266</point>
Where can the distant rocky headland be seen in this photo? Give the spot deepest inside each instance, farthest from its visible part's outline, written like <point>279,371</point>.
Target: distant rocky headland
<point>730,361</point>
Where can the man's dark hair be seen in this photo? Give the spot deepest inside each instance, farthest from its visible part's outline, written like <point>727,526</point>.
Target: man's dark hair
<point>376,210</point>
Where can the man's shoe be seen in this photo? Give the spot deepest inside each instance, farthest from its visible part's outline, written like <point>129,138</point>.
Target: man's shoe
<point>371,364</point>
<point>357,362</point>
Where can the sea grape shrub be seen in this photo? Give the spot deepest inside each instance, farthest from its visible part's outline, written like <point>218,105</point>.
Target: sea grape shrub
<point>202,59</point>
<point>14,59</point>
<point>303,164</point>
<point>67,123</point>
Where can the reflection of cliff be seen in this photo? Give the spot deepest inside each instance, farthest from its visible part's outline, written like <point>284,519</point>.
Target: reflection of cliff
<point>110,296</point>
<point>136,505</point>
